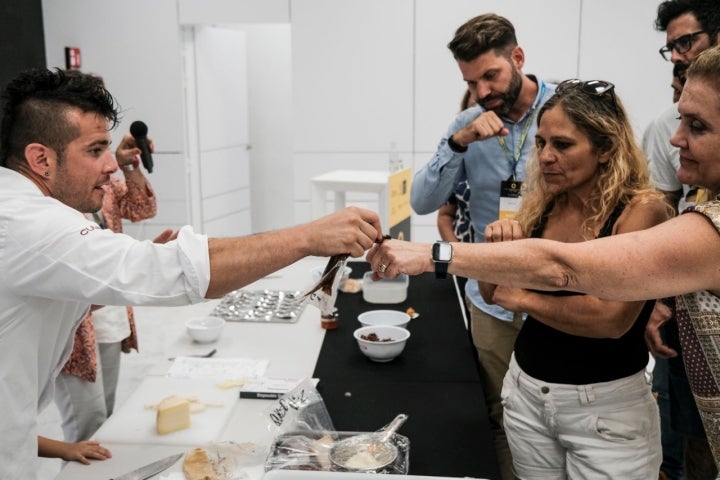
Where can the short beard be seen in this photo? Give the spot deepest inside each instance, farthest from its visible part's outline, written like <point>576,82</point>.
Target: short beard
<point>509,97</point>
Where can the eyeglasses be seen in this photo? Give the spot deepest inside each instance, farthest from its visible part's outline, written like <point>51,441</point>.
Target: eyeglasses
<point>680,45</point>
<point>595,88</point>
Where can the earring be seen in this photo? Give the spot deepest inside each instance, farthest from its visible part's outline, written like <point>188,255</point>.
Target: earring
<point>47,174</point>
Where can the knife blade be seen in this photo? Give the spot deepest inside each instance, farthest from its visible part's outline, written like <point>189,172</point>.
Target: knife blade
<point>150,469</point>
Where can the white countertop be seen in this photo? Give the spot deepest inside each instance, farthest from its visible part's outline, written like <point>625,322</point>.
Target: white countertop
<point>292,350</point>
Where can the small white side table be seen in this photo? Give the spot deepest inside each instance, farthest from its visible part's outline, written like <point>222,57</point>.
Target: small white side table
<point>342,181</point>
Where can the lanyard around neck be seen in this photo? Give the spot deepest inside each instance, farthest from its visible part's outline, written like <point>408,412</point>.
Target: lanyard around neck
<point>514,159</point>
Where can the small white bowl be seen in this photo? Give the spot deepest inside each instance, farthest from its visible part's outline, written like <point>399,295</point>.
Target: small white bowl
<point>379,351</point>
<point>318,271</point>
<point>384,317</point>
<point>205,329</point>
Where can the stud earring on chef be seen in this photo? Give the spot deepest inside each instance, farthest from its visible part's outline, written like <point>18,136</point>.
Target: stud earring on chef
<point>47,174</point>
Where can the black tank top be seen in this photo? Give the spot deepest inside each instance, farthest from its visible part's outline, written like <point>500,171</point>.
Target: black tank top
<point>553,356</point>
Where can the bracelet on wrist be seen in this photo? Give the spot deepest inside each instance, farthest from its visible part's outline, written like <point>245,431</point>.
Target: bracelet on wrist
<point>129,167</point>
<point>456,147</point>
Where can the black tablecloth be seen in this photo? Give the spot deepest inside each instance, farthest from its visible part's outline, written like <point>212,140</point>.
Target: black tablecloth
<point>435,381</point>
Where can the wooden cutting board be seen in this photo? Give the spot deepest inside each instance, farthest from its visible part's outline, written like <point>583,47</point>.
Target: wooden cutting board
<point>132,422</point>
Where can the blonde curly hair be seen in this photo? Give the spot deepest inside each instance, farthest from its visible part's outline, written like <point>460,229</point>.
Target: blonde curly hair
<point>604,121</point>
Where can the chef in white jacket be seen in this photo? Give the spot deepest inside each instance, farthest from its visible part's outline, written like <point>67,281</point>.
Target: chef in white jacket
<point>54,263</point>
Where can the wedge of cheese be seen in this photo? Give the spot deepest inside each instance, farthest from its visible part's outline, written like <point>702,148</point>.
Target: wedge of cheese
<point>197,466</point>
<point>173,414</point>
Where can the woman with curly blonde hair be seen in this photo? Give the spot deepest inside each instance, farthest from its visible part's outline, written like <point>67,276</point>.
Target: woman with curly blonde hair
<point>577,403</point>
<point>619,180</point>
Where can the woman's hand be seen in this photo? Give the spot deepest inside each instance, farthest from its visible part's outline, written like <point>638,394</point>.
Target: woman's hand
<point>503,231</point>
<point>128,150</point>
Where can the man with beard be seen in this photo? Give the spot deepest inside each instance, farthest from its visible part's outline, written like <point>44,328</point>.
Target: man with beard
<point>691,26</point>
<point>487,145</point>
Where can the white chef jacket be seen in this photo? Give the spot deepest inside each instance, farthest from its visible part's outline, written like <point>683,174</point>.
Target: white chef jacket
<point>55,263</point>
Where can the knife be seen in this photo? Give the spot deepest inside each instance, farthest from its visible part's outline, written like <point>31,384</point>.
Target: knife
<point>150,469</point>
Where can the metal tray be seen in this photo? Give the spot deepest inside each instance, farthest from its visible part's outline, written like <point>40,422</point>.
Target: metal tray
<point>280,306</point>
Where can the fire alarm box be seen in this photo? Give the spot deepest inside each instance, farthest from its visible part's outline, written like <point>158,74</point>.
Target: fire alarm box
<point>72,58</point>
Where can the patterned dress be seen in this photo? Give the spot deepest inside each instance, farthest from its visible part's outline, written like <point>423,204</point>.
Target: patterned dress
<point>122,200</point>
<point>698,316</point>
<point>462,224</point>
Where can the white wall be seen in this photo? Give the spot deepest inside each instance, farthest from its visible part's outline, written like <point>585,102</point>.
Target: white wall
<point>360,74</point>
<point>219,74</point>
<point>270,123</point>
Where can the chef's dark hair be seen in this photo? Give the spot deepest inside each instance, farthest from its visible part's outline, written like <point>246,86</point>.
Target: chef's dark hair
<point>35,103</point>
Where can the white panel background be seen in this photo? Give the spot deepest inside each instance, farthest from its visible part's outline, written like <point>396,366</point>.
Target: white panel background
<point>625,51</point>
<point>221,71</point>
<point>271,124</point>
<point>221,81</point>
<point>352,74</point>
<point>138,55</point>
<point>233,11</point>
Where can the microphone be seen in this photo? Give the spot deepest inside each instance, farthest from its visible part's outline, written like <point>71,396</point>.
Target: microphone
<point>139,131</point>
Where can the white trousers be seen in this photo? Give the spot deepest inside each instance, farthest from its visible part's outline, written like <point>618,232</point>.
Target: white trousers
<point>608,430</point>
<point>83,405</point>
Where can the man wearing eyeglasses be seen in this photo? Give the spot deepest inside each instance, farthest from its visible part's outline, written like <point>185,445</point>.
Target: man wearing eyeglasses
<point>691,27</point>
<point>487,145</point>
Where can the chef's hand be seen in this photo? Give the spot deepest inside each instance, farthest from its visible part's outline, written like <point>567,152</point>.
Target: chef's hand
<point>351,230</point>
<point>393,257</point>
<point>659,316</point>
<point>487,125</point>
<point>166,236</point>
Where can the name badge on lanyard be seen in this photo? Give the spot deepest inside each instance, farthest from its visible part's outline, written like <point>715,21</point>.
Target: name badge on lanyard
<point>510,198</point>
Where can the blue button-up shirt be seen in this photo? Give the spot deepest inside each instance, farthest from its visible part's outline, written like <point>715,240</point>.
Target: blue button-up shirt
<point>484,165</point>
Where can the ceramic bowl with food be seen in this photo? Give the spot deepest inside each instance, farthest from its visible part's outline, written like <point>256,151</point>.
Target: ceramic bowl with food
<point>205,329</point>
<point>381,343</point>
<point>318,271</point>
<point>395,318</point>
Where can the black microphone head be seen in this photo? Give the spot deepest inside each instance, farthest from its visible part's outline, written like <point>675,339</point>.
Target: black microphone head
<point>138,129</point>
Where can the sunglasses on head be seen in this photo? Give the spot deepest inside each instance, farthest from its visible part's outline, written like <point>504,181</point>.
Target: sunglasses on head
<point>595,88</point>
<point>680,45</point>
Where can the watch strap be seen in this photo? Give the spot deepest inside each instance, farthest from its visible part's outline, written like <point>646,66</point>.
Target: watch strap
<point>441,269</point>
<point>455,147</point>
<point>441,264</point>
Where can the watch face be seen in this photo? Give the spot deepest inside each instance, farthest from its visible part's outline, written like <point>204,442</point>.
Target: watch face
<point>444,252</point>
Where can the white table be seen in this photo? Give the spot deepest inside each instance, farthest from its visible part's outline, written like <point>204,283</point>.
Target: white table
<point>291,348</point>
<point>342,181</point>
